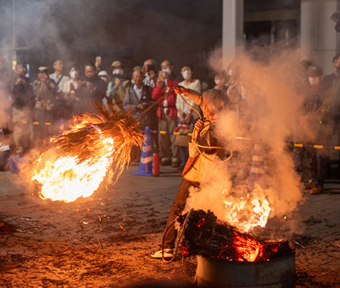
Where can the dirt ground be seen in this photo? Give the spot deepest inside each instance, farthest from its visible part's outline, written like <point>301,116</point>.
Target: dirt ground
<point>105,240</point>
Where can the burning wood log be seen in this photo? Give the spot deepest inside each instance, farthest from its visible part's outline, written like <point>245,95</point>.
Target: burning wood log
<point>205,235</point>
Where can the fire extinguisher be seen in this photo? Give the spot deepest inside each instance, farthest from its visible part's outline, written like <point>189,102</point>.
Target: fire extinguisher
<point>156,165</point>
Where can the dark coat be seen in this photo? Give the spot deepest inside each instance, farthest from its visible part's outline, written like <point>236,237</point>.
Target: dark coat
<point>131,102</point>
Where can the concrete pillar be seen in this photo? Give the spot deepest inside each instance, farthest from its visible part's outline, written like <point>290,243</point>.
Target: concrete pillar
<point>232,32</point>
<point>318,36</point>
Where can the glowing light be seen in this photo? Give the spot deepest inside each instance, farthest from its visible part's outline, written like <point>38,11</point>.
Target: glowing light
<point>82,156</point>
<point>245,214</point>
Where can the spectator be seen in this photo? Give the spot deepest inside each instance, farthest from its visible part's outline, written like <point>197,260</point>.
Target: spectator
<point>69,90</point>
<point>118,86</point>
<point>221,80</point>
<point>44,90</point>
<point>328,79</point>
<point>149,71</point>
<point>137,99</point>
<point>22,111</point>
<point>167,118</point>
<point>91,91</point>
<point>316,114</point>
<point>104,76</point>
<point>186,114</point>
<point>58,77</point>
<point>98,63</point>
<point>168,68</point>
<point>4,148</point>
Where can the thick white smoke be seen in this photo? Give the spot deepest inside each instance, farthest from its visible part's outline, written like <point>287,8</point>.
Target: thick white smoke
<point>270,110</point>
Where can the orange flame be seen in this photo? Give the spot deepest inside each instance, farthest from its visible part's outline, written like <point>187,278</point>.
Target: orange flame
<point>65,180</point>
<point>245,214</point>
<point>247,249</point>
<point>81,157</point>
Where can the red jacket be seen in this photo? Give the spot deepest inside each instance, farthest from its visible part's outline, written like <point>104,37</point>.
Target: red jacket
<point>158,93</point>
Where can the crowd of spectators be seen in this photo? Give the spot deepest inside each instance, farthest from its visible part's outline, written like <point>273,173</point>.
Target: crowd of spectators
<point>40,107</point>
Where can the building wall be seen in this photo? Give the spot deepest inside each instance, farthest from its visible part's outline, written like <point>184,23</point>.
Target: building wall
<point>318,39</point>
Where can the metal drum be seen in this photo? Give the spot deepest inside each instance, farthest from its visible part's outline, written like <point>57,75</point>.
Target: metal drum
<point>277,273</point>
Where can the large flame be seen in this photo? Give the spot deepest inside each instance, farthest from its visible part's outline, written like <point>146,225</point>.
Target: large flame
<point>81,157</point>
<point>247,212</point>
<point>65,180</point>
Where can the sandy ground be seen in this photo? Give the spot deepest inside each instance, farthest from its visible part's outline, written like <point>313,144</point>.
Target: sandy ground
<point>105,240</point>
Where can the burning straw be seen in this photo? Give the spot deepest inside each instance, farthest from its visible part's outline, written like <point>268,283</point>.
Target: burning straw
<point>80,158</point>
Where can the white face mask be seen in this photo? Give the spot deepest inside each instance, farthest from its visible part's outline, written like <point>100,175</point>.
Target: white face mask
<point>314,81</point>
<point>187,74</point>
<point>230,72</point>
<point>219,81</point>
<point>167,71</point>
<point>118,72</point>
<point>74,74</point>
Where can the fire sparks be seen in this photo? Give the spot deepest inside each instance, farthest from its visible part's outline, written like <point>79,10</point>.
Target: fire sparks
<point>245,213</point>
<point>81,157</point>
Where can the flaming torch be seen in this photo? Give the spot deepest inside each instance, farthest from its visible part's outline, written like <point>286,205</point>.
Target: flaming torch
<point>80,158</point>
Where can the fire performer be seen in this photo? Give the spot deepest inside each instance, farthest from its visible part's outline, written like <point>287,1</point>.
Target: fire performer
<point>202,149</point>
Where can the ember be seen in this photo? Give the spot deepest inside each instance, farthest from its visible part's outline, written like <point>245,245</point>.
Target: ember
<point>80,158</point>
<point>213,238</point>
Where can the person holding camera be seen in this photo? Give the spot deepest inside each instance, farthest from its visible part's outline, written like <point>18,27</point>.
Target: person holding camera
<point>22,110</point>
<point>117,87</point>
<point>149,72</point>
<point>137,99</point>
<point>92,90</point>
<point>44,90</point>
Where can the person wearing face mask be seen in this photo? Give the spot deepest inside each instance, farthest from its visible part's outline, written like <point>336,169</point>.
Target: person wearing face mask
<point>117,87</point>
<point>187,116</point>
<point>69,90</point>
<point>316,113</point>
<point>168,68</point>
<point>220,81</point>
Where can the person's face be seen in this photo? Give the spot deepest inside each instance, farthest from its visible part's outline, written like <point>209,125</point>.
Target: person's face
<point>314,80</point>
<point>145,65</point>
<point>186,72</point>
<point>20,69</point>
<point>42,75</point>
<point>137,77</point>
<point>166,65</point>
<point>89,71</point>
<point>58,66</point>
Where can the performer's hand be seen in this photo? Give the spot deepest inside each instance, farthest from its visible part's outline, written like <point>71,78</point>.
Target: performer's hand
<point>181,90</point>
<point>197,130</point>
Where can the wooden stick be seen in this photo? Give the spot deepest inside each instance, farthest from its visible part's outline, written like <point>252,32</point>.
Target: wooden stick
<point>153,104</point>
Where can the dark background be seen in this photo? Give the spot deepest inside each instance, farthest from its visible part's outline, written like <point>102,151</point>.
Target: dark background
<point>183,31</point>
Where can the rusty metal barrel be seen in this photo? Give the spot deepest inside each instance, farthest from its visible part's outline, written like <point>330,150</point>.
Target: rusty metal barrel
<point>277,273</point>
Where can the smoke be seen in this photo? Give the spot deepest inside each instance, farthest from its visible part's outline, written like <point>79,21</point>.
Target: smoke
<point>266,117</point>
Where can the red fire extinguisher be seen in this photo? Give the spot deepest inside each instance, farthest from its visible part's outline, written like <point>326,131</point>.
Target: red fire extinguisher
<point>156,166</point>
